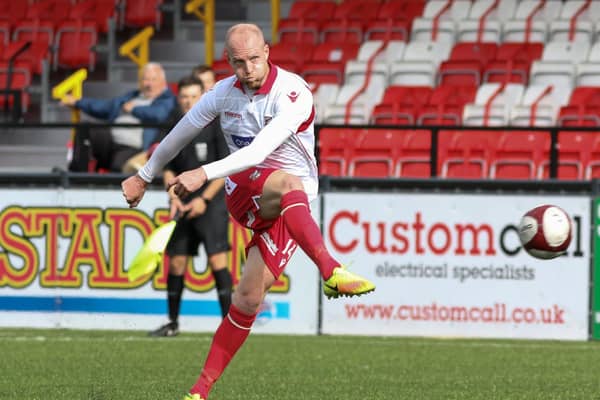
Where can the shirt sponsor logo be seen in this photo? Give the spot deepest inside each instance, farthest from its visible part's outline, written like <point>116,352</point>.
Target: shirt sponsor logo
<point>231,114</point>
<point>242,141</point>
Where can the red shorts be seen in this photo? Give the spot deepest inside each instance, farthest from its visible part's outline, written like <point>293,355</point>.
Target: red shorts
<point>270,236</point>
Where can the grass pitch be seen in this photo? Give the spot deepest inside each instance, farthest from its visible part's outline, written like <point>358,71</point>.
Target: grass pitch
<point>66,364</point>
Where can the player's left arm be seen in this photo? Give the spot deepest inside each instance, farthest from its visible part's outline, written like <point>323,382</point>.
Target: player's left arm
<point>291,113</point>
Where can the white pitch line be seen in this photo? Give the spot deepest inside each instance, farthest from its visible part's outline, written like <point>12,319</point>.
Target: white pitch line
<point>99,339</point>
<point>586,346</point>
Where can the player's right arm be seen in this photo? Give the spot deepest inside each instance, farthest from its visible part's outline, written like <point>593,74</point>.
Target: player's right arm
<point>192,123</point>
<point>182,133</point>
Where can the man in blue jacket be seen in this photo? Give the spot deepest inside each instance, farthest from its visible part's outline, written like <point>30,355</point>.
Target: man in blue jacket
<point>151,103</point>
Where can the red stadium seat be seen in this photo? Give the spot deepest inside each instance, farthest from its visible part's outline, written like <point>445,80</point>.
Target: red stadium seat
<point>592,169</point>
<point>446,104</point>
<point>54,11</point>
<point>291,56</point>
<point>299,31</point>
<point>328,62</point>
<point>441,114</point>
<point>335,150</point>
<point>414,158</point>
<point>373,155</point>
<point>141,13</point>
<point>96,11</point>
<point>519,155</point>
<point>583,108</point>
<point>342,31</point>
<point>465,154</point>
<point>388,29</point>
<point>12,11</point>
<point>466,63</point>
<point>574,150</point>
<point>40,35</point>
<point>312,10</point>
<point>360,10</point>
<point>401,105</point>
<point>394,113</point>
<point>20,80</point>
<point>513,62</point>
<point>74,45</point>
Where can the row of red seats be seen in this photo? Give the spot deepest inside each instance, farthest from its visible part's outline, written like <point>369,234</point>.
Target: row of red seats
<point>423,105</point>
<point>133,13</point>
<point>472,63</point>
<point>71,44</point>
<point>351,21</point>
<point>461,154</point>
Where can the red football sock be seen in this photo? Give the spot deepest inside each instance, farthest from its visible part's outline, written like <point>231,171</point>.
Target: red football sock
<point>304,230</point>
<point>229,337</point>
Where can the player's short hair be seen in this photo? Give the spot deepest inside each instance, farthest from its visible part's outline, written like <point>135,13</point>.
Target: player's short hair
<point>189,81</point>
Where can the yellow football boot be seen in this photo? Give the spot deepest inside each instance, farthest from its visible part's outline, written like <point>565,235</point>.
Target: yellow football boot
<point>195,396</point>
<point>345,283</point>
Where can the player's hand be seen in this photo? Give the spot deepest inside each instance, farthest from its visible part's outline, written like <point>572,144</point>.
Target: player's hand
<point>195,207</point>
<point>133,188</point>
<point>176,206</point>
<point>187,182</point>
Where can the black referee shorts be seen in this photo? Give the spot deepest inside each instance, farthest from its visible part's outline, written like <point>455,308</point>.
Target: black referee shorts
<point>210,229</point>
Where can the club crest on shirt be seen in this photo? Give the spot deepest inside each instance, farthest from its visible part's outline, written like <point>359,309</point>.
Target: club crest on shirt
<point>293,96</point>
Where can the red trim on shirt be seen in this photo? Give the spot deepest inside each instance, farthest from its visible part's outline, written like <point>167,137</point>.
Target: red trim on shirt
<point>238,85</point>
<point>304,126</point>
<point>266,87</point>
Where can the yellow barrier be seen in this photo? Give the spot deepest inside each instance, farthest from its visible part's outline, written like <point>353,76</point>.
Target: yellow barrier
<point>204,10</point>
<point>140,42</point>
<point>73,85</point>
<point>275,15</point>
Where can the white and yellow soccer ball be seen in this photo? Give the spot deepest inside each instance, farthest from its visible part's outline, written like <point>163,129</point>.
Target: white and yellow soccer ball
<point>545,231</point>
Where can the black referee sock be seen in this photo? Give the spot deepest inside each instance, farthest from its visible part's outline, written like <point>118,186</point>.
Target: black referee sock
<point>174,291</point>
<point>224,283</point>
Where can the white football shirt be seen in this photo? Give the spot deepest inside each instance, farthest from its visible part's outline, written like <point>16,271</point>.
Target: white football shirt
<point>272,127</point>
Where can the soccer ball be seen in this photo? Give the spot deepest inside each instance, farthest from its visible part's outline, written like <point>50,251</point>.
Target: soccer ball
<point>545,231</point>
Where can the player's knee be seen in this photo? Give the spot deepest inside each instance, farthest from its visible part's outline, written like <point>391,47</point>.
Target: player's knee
<point>290,183</point>
<point>247,302</point>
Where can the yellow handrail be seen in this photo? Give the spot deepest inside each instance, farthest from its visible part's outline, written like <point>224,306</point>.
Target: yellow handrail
<point>73,85</point>
<point>140,42</point>
<point>204,10</point>
<point>275,15</point>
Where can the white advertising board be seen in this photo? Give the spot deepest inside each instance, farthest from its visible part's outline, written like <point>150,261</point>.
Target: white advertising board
<point>64,253</point>
<point>452,266</point>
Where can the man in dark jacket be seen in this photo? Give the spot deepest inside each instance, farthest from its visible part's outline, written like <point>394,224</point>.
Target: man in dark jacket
<point>152,103</point>
<point>205,219</point>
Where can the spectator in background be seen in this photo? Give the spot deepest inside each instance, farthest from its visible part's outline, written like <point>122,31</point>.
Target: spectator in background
<point>151,103</point>
<point>206,75</point>
<point>205,218</point>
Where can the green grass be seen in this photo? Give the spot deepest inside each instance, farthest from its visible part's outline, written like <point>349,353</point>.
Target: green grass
<point>65,364</point>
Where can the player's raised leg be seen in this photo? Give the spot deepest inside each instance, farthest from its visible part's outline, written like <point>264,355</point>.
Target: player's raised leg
<point>234,329</point>
<point>283,194</point>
